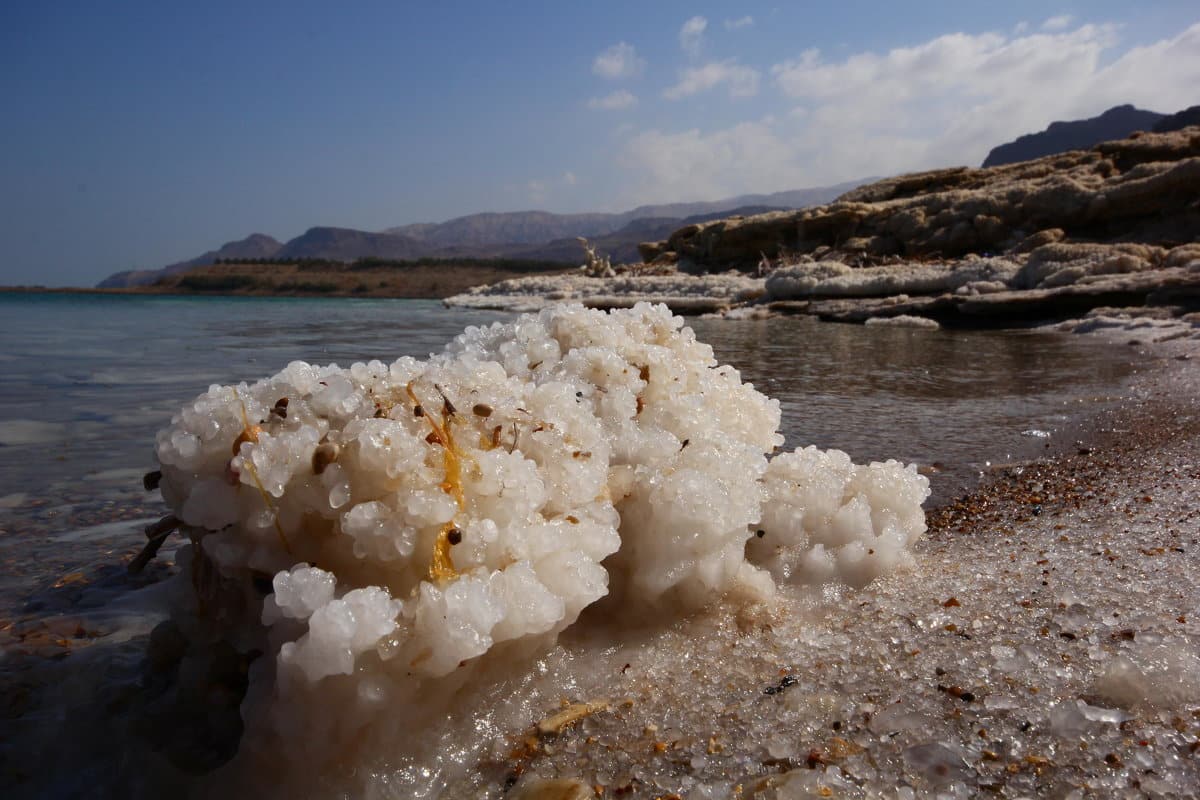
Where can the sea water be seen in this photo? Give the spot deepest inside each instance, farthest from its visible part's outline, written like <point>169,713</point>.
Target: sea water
<point>86,381</point>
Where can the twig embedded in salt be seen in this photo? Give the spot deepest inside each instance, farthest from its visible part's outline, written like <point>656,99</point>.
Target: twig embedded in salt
<point>557,722</point>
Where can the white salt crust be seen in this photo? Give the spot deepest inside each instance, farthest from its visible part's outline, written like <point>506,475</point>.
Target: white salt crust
<point>596,454</point>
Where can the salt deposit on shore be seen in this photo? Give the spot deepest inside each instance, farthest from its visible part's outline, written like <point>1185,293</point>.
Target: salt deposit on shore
<point>682,293</point>
<point>1043,645</point>
<point>1053,282</point>
<point>388,533</point>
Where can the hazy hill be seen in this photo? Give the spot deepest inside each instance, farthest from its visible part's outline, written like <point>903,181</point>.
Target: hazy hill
<point>795,198</point>
<point>518,227</point>
<point>347,244</point>
<point>256,245</point>
<point>538,235</point>
<point>540,227</point>
<point>1116,123</point>
<point>622,245</point>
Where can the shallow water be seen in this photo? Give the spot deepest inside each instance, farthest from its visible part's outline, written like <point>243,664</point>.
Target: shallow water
<point>86,381</point>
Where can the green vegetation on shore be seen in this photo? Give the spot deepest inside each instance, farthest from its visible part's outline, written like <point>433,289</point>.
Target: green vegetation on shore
<point>364,277</point>
<point>521,265</point>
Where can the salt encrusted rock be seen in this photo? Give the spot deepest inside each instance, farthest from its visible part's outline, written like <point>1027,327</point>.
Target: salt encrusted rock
<point>682,293</point>
<point>378,530</point>
<point>834,279</point>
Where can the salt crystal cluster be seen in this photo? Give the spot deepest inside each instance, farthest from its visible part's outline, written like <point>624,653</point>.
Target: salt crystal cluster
<point>826,518</point>
<point>376,529</point>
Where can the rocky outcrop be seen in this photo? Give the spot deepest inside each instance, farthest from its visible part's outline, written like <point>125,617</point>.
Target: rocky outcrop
<point>1142,189</point>
<point>1055,281</point>
<point>1115,123</point>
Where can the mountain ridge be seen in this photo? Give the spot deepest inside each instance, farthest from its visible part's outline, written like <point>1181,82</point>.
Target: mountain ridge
<point>256,245</point>
<point>534,235</point>
<point>1062,136</point>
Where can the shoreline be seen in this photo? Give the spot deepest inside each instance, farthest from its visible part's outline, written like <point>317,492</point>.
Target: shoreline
<point>892,685</point>
<point>1045,644</point>
<point>1017,658</point>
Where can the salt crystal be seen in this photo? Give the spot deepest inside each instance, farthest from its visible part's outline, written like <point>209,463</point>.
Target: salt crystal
<point>938,763</point>
<point>617,458</point>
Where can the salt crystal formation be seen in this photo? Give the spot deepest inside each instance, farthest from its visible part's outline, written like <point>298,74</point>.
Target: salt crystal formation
<point>376,530</point>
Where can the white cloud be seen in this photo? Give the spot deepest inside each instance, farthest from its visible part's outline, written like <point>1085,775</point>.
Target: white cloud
<point>1020,27</point>
<point>691,36</point>
<point>943,102</point>
<point>741,80</point>
<point>613,102</point>
<point>691,165</point>
<point>569,178</point>
<point>734,24</point>
<point>619,61</point>
<point>1061,22</point>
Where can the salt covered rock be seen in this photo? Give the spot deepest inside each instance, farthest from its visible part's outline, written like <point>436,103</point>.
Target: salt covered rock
<point>834,279</point>
<point>680,291</point>
<point>380,530</point>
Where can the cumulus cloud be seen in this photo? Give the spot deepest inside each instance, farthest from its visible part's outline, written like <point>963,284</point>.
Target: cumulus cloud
<point>963,93</point>
<point>1061,22</point>
<point>742,81</point>
<point>943,102</point>
<point>742,22</point>
<point>695,165</point>
<point>613,102</point>
<point>691,36</point>
<point>619,61</point>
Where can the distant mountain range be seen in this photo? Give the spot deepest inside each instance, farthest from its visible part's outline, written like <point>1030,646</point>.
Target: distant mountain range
<point>532,235</point>
<point>1116,123</point>
<point>256,245</point>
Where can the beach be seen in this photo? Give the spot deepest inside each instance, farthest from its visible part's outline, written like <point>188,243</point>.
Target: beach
<point>425,402</point>
<point>1046,645</point>
<point>989,664</point>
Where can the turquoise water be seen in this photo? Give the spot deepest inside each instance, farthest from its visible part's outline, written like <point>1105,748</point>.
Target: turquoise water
<point>86,380</point>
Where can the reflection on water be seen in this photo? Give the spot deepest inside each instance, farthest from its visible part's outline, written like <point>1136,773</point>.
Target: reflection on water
<point>958,398</point>
<point>87,380</point>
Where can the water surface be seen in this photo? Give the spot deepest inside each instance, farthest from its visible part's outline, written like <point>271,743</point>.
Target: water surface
<point>87,380</point>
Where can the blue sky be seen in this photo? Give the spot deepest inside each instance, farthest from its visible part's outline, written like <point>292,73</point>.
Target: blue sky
<point>145,133</point>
